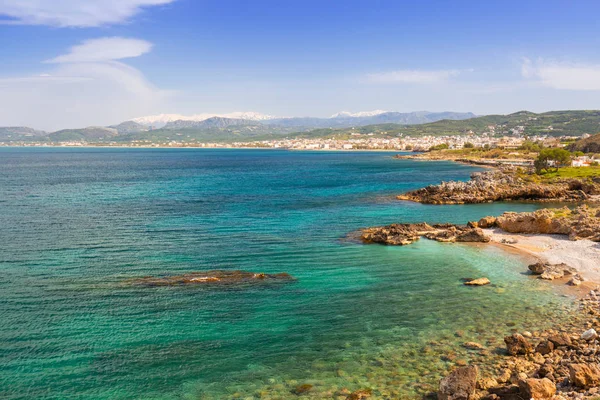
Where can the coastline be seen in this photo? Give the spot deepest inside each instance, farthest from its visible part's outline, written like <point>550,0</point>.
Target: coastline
<point>547,364</point>
<point>583,255</point>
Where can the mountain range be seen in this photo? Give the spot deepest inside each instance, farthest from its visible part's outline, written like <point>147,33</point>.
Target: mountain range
<point>200,128</point>
<point>240,124</point>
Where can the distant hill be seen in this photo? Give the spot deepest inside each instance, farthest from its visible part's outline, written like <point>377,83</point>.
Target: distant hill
<point>210,123</point>
<point>554,123</point>
<point>129,127</point>
<point>388,124</point>
<point>347,120</point>
<point>91,134</point>
<point>16,133</point>
<point>588,145</point>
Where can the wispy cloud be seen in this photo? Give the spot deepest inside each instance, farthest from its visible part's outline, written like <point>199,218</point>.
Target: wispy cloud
<point>413,76</point>
<point>561,75</point>
<point>72,13</point>
<point>86,85</point>
<point>104,49</point>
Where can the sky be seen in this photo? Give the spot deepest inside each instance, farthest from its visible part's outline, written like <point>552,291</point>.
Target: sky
<point>76,63</point>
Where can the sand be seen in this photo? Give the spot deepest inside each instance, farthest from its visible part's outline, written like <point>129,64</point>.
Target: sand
<point>584,255</point>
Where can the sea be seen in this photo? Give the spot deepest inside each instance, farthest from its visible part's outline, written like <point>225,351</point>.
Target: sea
<point>77,225</point>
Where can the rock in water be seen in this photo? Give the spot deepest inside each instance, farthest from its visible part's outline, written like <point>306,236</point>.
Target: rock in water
<point>478,282</point>
<point>459,385</point>
<point>538,389</point>
<point>517,344</point>
<point>584,375</point>
<point>213,278</point>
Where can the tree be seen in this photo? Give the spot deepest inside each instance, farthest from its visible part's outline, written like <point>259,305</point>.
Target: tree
<point>442,146</point>
<point>468,145</point>
<point>555,157</point>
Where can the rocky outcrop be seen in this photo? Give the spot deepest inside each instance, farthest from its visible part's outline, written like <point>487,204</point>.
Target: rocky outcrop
<point>501,185</point>
<point>552,271</point>
<point>460,384</point>
<point>404,234</point>
<point>213,278</point>
<point>580,223</point>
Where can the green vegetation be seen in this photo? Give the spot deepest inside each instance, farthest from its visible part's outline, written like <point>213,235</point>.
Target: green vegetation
<point>572,172</point>
<point>442,146</point>
<point>547,158</point>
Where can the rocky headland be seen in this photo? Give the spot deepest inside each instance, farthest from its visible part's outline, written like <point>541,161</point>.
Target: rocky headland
<point>504,185</point>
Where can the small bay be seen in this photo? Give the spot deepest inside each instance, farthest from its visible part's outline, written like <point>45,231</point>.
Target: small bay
<point>75,224</point>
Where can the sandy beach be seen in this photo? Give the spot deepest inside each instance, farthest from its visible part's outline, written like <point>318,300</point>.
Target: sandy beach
<point>584,255</point>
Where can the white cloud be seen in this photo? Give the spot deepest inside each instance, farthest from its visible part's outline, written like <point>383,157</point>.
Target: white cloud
<point>72,13</point>
<point>566,76</point>
<point>82,89</point>
<point>413,76</point>
<point>104,49</point>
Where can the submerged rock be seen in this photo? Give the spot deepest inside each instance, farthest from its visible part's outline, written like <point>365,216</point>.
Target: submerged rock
<point>460,384</point>
<point>359,394</point>
<point>213,278</point>
<point>302,389</point>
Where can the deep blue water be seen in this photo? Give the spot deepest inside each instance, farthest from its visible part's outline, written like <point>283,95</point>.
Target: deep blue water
<point>76,224</point>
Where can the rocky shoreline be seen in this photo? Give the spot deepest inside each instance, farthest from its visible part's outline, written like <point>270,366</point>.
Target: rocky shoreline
<point>504,185</point>
<point>560,363</point>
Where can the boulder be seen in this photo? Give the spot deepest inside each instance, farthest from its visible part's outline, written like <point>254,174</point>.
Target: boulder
<point>589,335</point>
<point>545,347</point>
<point>487,222</point>
<point>472,235</point>
<point>517,344</point>
<point>538,389</point>
<point>560,339</point>
<point>478,282</point>
<point>460,384</point>
<point>538,268</point>
<point>584,375</point>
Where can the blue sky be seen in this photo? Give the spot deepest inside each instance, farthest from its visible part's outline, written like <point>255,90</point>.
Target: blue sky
<point>71,63</point>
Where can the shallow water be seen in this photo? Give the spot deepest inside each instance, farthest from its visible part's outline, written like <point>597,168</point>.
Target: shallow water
<point>76,223</point>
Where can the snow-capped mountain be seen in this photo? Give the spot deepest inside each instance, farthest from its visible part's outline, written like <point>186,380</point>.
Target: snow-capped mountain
<point>360,114</point>
<point>160,120</point>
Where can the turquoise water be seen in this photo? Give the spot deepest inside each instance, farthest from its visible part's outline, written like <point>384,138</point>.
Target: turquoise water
<point>75,224</point>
